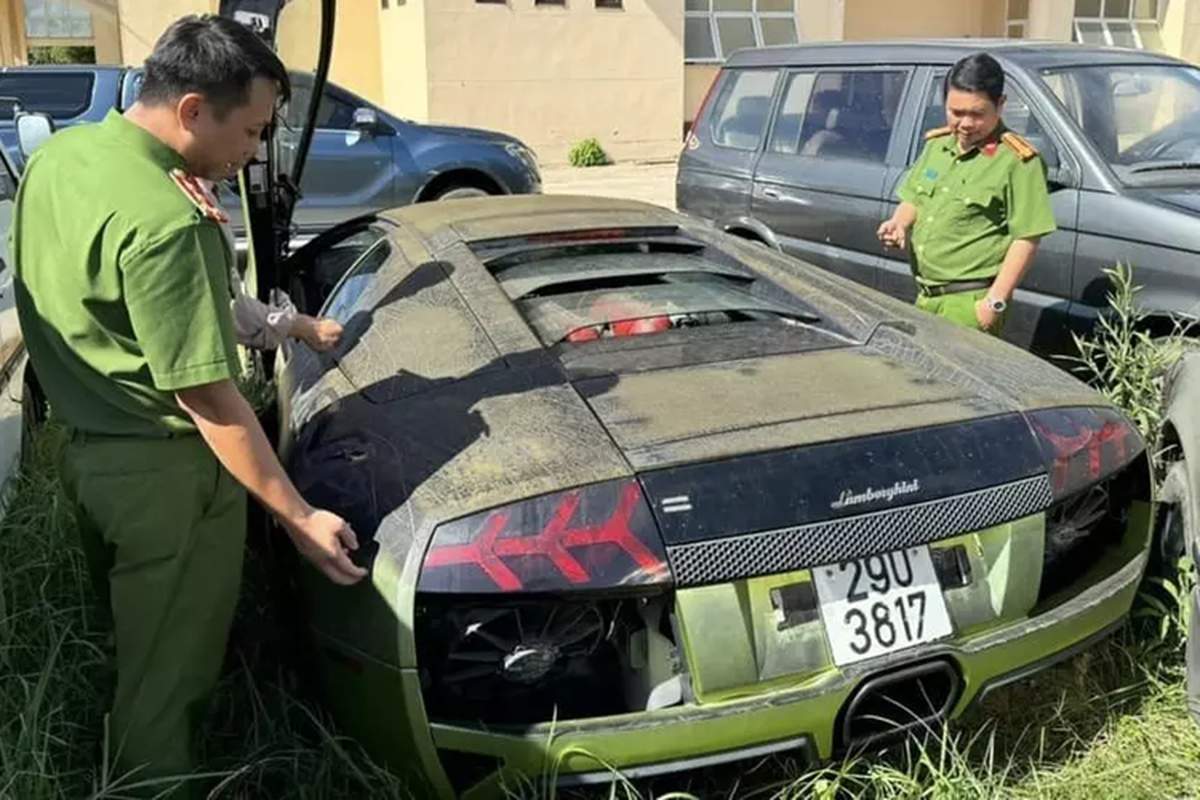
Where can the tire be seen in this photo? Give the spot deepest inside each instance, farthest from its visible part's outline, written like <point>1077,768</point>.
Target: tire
<point>1176,498</point>
<point>461,192</point>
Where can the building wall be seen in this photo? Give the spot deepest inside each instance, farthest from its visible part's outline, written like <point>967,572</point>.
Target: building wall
<point>13,47</point>
<point>404,82</point>
<point>1180,21</point>
<point>616,75</point>
<point>1051,19</point>
<point>357,62</point>
<point>890,19</point>
<point>143,21</point>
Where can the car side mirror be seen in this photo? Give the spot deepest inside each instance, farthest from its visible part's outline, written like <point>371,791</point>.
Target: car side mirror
<point>33,129</point>
<point>366,120</point>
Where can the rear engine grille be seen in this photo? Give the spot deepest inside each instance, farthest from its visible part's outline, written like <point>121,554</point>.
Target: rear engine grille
<point>808,546</point>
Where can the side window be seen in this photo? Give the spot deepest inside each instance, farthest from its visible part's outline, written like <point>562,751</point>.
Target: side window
<point>60,94</point>
<point>324,271</point>
<point>343,303</point>
<point>839,115</point>
<point>785,136</point>
<point>1018,116</point>
<point>335,113</point>
<point>742,109</point>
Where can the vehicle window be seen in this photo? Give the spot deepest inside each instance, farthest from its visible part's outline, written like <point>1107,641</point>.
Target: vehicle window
<point>785,135</point>
<point>741,110</point>
<point>335,113</point>
<point>61,95</point>
<point>847,115</point>
<point>1018,116</point>
<point>1140,119</point>
<point>344,302</point>
<point>580,293</point>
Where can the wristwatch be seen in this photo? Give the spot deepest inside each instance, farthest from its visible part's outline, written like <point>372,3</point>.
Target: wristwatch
<point>995,304</point>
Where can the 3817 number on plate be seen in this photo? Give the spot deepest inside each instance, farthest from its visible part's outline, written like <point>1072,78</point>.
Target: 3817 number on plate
<point>880,604</point>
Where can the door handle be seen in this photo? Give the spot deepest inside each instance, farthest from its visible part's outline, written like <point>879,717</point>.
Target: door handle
<point>771,193</point>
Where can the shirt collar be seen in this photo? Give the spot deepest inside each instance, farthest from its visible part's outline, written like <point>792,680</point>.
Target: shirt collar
<point>143,142</point>
<point>993,138</point>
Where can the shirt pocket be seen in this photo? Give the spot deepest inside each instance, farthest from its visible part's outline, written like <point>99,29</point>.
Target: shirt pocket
<point>981,204</point>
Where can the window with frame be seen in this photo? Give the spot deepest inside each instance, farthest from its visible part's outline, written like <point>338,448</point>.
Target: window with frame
<point>57,19</point>
<point>1017,19</point>
<point>1018,117</point>
<point>741,109</point>
<point>714,29</point>
<point>344,301</point>
<point>1118,23</point>
<point>839,114</point>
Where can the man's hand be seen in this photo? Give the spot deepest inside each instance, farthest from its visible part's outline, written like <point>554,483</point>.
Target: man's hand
<point>321,335</point>
<point>325,539</point>
<point>892,234</point>
<point>985,315</point>
<point>235,436</point>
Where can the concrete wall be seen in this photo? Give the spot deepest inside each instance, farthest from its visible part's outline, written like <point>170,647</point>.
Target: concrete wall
<point>1180,21</point>
<point>890,19</point>
<point>357,61</point>
<point>13,47</point>
<point>616,75</point>
<point>1051,19</point>
<point>404,58</point>
<point>143,21</point>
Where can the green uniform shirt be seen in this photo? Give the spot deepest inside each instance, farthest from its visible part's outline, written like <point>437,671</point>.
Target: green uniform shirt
<point>971,206</point>
<point>122,283</point>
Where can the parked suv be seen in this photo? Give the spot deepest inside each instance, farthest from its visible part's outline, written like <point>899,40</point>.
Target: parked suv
<point>362,158</point>
<point>803,148</point>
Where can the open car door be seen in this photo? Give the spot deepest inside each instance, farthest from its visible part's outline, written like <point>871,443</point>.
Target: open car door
<point>301,32</point>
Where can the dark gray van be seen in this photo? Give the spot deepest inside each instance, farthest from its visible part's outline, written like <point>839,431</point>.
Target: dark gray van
<point>803,148</point>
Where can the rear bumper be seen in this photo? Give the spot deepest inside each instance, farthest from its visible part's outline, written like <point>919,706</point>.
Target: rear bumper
<point>801,719</point>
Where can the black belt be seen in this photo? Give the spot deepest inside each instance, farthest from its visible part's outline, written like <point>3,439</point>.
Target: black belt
<point>953,287</point>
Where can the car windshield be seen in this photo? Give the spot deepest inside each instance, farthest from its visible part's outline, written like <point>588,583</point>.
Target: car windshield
<point>1144,120</point>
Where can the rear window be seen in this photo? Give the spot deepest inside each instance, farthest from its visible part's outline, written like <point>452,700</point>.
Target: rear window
<point>741,109</point>
<point>581,292</point>
<point>61,95</point>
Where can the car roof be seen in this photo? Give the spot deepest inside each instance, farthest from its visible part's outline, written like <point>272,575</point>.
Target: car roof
<point>1026,53</point>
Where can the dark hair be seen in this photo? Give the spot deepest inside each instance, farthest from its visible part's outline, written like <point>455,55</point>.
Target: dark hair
<point>212,56</point>
<point>978,74</point>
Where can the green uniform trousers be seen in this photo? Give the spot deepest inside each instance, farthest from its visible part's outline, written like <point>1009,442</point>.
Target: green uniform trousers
<point>163,526</point>
<point>959,308</point>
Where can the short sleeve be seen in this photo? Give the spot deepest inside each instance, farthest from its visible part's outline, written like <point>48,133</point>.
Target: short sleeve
<point>1030,212</point>
<point>907,191</point>
<point>177,292</point>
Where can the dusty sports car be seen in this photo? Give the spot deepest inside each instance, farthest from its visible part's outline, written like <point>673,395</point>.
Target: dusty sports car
<point>637,494</point>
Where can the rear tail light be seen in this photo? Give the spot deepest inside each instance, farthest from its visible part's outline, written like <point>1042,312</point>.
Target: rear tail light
<point>1098,469</point>
<point>595,537</point>
<point>1083,446</point>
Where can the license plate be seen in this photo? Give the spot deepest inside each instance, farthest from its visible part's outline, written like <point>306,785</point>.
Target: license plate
<point>880,604</point>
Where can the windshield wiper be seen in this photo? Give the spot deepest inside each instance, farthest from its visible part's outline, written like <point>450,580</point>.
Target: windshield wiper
<point>1162,166</point>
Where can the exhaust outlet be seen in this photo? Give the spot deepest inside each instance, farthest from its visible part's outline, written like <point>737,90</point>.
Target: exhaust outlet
<point>890,705</point>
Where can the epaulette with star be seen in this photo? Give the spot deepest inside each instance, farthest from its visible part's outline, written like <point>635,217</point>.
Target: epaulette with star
<point>1020,145</point>
<point>194,191</point>
<point>937,133</point>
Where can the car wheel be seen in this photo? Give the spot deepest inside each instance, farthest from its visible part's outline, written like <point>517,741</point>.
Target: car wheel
<point>1179,535</point>
<point>460,192</point>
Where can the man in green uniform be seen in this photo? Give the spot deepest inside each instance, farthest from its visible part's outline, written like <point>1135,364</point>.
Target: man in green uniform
<point>123,295</point>
<point>978,199</point>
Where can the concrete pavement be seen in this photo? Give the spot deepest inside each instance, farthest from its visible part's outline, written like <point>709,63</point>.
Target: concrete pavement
<point>650,183</point>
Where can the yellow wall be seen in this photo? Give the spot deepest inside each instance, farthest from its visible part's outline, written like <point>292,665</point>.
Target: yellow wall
<point>697,78</point>
<point>894,19</point>
<point>820,20</point>
<point>402,44</point>
<point>13,48</point>
<point>1181,28</point>
<point>556,75</point>
<point>1052,19</point>
<point>143,21</point>
<point>357,62</point>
